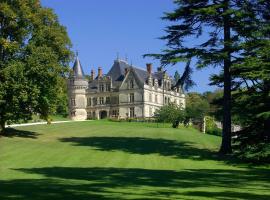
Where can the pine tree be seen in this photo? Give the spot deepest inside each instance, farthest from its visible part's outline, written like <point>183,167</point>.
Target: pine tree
<point>217,29</point>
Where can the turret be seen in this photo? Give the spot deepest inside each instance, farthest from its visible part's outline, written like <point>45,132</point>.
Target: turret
<point>77,85</point>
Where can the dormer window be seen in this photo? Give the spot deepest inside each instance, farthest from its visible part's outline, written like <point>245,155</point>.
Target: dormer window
<point>131,97</point>
<point>101,88</point>
<point>108,87</point>
<point>131,84</point>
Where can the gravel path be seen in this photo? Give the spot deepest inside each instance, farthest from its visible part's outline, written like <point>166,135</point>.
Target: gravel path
<point>38,123</point>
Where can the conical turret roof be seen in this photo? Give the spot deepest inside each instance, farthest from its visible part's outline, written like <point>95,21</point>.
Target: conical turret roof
<point>77,69</point>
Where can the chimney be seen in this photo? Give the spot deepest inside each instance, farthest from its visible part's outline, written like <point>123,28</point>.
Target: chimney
<point>99,72</point>
<point>92,75</point>
<point>126,71</point>
<point>149,68</point>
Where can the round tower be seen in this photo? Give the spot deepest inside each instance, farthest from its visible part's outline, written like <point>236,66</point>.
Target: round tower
<point>77,85</point>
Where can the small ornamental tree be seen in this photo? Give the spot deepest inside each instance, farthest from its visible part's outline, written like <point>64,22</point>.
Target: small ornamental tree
<point>171,113</point>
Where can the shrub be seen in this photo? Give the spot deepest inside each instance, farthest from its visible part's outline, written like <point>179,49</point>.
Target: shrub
<point>211,127</point>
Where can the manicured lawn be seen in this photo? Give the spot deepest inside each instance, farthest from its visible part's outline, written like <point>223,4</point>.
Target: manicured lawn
<point>112,160</point>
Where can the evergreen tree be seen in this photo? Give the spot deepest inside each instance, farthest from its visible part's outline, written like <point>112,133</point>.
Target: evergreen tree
<point>217,29</point>
<point>176,76</point>
<point>34,57</point>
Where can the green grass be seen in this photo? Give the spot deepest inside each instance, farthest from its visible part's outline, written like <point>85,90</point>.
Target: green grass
<point>111,160</point>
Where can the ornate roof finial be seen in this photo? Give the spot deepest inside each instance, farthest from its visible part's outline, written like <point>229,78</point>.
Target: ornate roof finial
<point>126,57</point>
<point>117,56</point>
<point>77,53</point>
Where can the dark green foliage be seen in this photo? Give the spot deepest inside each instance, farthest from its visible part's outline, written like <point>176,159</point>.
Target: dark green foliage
<point>233,34</point>
<point>185,81</point>
<point>196,106</point>
<point>34,55</point>
<point>176,76</point>
<point>171,113</point>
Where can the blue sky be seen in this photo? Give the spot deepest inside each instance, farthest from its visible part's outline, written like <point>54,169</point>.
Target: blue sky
<point>100,28</point>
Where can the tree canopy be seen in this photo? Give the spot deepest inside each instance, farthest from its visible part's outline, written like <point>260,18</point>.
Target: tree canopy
<point>34,57</point>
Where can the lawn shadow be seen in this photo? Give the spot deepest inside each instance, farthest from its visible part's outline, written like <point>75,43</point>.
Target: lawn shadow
<point>143,146</point>
<point>12,132</point>
<point>132,183</point>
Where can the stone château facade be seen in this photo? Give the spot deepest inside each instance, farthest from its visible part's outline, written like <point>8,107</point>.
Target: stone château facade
<point>124,92</point>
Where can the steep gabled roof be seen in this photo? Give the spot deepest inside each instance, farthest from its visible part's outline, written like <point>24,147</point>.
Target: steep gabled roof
<point>77,69</point>
<point>117,72</point>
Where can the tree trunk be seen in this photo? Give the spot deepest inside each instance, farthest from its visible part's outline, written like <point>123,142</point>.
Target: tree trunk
<point>3,128</point>
<point>226,147</point>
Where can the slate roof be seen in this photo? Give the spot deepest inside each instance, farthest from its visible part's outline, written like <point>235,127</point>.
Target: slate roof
<point>77,69</point>
<point>117,72</point>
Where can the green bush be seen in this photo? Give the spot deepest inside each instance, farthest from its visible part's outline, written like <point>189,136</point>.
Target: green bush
<point>211,127</point>
<point>171,113</point>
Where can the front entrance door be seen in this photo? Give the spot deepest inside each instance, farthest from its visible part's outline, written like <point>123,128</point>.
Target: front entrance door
<point>103,114</point>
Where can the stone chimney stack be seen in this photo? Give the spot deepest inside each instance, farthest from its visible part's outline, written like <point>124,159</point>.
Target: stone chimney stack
<point>99,72</point>
<point>92,75</point>
<point>149,68</point>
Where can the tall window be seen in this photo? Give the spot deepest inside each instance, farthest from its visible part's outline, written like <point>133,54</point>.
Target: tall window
<point>165,100</point>
<point>131,97</point>
<point>150,111</point>
<point>156,98</point>
<point>131,112</point>
<point>108,87</point>
<point>131,84</point>
<point>150,97</point>
<point>88,101</point>
<point>101,100</point>
<point>94,101</point>
<point>101,88</point>
<point>108,100</point>
<point>73,102</point>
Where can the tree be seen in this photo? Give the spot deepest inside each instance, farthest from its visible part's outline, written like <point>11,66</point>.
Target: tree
<point>196,106</point>
<point>217,29</point>
<point>34,57</point>
<point>176,76</point>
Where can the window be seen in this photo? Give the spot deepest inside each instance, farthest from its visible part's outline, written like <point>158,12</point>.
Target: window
<point>131,97</point>
<point>88,101</point>
<point>165,100</point>
<point>107,100</point>
<point>131,112</point>
<point>131,84</point>
<point>156,98</point>
<point>101,100</point>
<point>115,113</point>
<point>73,102</point>
<point>101,88</point>
<point>150,97</point>
<point>94,101</point>
<point>108,87</point>
<point>150,111</point>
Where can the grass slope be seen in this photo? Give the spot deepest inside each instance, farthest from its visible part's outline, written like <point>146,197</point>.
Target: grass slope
<point>110,160</point>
